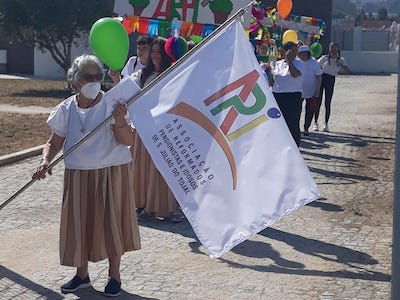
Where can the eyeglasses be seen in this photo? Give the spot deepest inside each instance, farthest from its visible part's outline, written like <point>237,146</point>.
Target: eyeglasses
<point>92,77</point>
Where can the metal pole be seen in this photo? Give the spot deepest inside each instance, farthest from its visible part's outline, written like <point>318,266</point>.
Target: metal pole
<point>396,201</point>
<point>235,16</point>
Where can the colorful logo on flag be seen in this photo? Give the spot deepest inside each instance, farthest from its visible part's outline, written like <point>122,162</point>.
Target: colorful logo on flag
<point>235,106</point>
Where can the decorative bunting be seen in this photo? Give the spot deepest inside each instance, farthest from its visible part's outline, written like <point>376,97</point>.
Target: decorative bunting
<point>186,28</point>
<point>164,27</point>
<point>197,29</point>
<point>301,23</point>
<point>175,27</point>
<point>153,27</point>
<point>208,29</point>
<point>157,27</point>
<point>144,25</point>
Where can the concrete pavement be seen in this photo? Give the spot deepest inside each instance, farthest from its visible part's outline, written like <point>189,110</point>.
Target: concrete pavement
<point>338,247</point>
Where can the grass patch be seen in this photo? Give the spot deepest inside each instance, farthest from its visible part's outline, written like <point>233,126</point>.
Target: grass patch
<point>22,131</point>
<point>24,92</point>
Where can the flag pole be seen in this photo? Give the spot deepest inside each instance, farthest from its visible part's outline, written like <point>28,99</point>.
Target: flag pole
<point>219,29</point>
<point>396,201</point>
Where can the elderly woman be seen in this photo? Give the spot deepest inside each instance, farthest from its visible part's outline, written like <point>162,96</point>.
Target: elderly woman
<point>98,218</point>
<point>287,88</point>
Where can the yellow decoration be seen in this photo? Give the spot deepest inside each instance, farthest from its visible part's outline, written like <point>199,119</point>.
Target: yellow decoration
<point>289,36</point>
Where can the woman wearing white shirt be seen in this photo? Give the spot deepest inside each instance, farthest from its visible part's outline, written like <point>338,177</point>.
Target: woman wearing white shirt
<point>330,64</point>
<point>287,87</point>
<point>311,83</point>
<point>152,194</point>
<point>98,216</point>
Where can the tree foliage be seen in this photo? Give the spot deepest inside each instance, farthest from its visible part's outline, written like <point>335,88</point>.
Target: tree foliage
<point>382,13</point>
<point>52,25</point>
<point>361,17</point>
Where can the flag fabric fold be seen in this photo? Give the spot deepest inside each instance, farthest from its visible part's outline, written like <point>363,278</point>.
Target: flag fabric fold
<point>215,132</point>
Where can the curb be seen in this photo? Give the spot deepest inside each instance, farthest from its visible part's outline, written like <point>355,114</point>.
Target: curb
<point>17,156</point>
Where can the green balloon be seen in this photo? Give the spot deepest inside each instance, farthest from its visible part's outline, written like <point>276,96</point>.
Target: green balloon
<point>316,49</point>
<point>110,42</point>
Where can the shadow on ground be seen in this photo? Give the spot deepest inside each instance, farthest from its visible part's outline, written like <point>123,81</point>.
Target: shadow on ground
<point>326,165</point>
<point>13,285</point>
<point>326,251</point>
<point>92,294</point>
<point>325,205</point>
<point>318,140</point>
<point>257,249</point>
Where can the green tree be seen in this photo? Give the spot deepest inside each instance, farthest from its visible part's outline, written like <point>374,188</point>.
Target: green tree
<point>52,25</point>
<point>361,17</point>
<point>382,14</point>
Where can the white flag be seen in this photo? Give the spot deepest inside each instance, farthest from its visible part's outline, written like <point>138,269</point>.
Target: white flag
<point>215,132</point>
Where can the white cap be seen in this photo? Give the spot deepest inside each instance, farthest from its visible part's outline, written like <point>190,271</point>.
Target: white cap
<point>303,48</point>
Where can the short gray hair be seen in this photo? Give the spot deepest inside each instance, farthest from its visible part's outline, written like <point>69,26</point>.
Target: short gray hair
<point>78,64</point>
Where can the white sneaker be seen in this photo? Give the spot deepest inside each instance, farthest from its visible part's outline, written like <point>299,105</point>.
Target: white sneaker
<point>326,128</point>
<point>315,127</point>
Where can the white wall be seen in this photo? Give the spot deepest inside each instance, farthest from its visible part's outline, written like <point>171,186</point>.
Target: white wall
<point>371,62</point>
<point>3,61</point>
<point>360,62</point>
<point>46,67</point>
<point>375,40</point>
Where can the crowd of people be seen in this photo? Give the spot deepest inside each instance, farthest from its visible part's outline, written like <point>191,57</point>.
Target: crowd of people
<point>110,181</point>
<point>299,77</point>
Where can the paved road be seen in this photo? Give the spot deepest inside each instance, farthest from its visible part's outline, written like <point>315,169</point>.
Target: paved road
<point>338,247</point>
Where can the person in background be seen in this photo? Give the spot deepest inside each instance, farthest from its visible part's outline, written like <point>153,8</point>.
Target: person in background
<point>330,64</point>
<point>98,217</point>
<point>153,196</point>
<point>135,63</point>
<point>287,87</point>
<point>311,84</point>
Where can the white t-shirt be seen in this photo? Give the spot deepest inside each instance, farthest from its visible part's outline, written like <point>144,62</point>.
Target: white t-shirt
<point>311,70</point>
<point>283,81</point>
<point>329,66</point>
<point>101,150</point>
<point>133,65</point>
<point>137,75</point>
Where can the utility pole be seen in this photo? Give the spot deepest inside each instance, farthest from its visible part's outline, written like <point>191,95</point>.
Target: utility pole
<point>396,200</point>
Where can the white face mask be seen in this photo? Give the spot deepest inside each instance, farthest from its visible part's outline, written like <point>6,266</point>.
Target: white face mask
<point>91,90</point>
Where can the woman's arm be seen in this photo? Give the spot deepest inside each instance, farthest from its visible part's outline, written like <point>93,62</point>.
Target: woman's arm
<point>122,131</point>
<point>293,70</point>
<point>50,150</point>
<point>342,64</point>
<point>115,76</point>
<point>290,57</point>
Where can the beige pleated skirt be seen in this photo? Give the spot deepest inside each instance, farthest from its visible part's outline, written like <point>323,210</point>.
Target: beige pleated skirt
<point>151,191</point>
<point>98,217</point>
